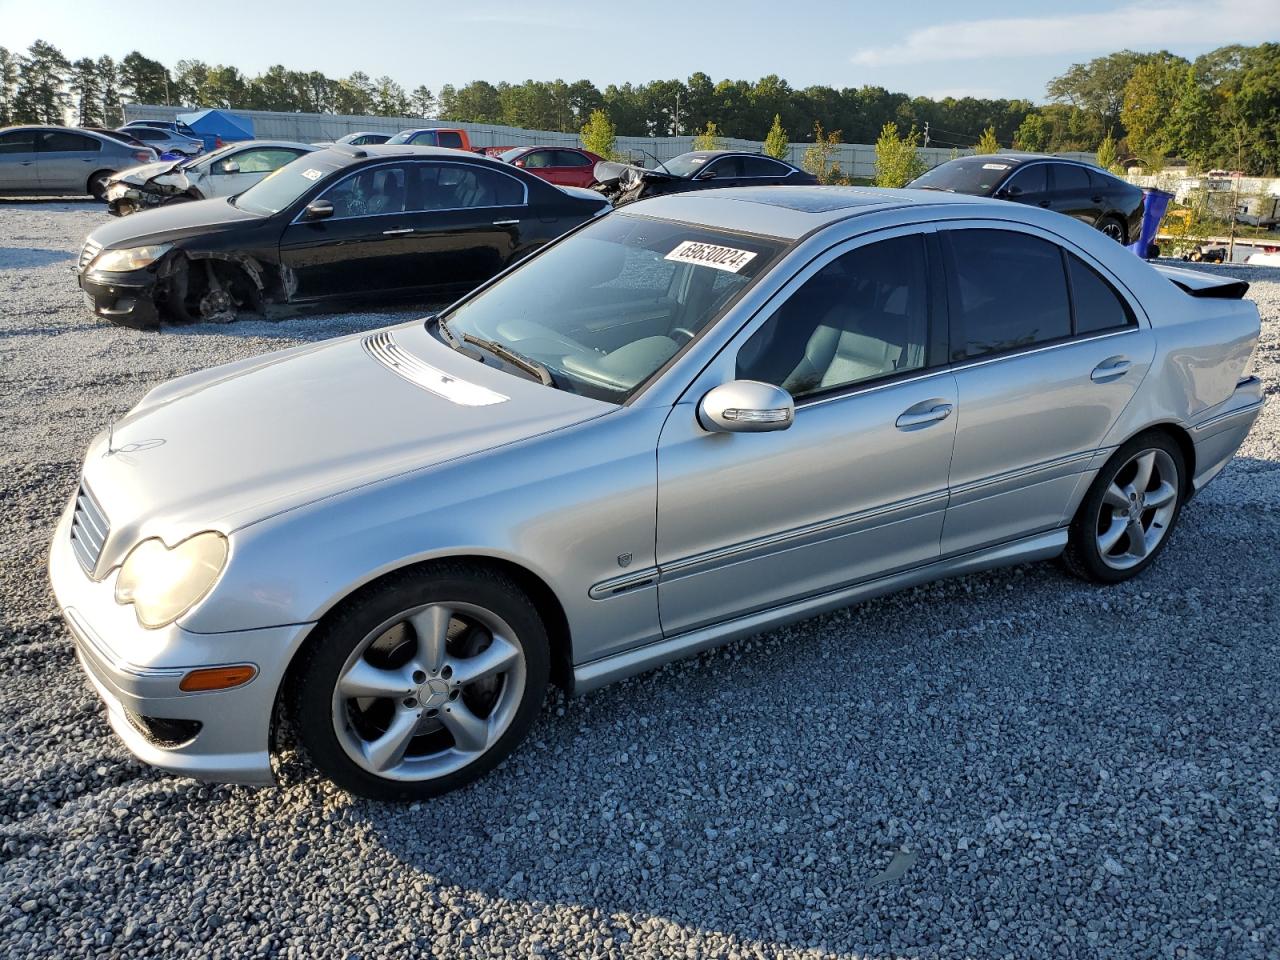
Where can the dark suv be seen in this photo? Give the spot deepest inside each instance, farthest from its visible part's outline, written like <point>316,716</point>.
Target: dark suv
<point>1077,189</point>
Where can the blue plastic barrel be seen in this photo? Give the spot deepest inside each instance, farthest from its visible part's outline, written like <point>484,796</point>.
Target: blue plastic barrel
<point>1155,203</point>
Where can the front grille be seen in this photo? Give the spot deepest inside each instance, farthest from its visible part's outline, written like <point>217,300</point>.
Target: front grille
<point>89,529</point>
<point>90,251</point>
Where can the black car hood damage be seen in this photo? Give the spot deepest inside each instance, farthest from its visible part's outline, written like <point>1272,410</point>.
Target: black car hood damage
<point>168,223</point>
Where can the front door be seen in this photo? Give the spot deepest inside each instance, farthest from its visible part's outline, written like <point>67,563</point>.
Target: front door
<point>1040,382</point>
<point>239,171</point>
<point>1074,194</point>
<point>856,487</point>
<point>18,170</point>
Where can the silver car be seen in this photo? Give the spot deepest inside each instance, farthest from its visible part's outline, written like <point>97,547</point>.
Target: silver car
<point>63,161</point>
<point>165,139</point>
<point>697,419</point>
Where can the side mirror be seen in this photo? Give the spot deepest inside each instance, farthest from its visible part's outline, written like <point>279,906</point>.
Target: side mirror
<point>746,406</point>
<point>518,163</point>
<point>229,166</point>
<point>318,210</point>
<point>1010,191</point>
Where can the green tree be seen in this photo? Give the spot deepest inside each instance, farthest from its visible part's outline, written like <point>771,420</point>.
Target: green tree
<point>776,143</point>
<point>819,156</point>
<point>1108,155</point>
<point>1151,103</point>
<point>709,138</point>
<point>1032,134</point>
<point>389,99</point>
<point>8,85</point>
<point>40,95</point>
<point>898,160</point>
<point>356,94</point>
<point>190,77</point>
<point>86,92</point>
<point>109,92</point>
<point>143,80</point>
<point>1096,89</point>
<point>598,135</point>
<point>224,87</point>
<point>422,102</point>
<point>987,143</point>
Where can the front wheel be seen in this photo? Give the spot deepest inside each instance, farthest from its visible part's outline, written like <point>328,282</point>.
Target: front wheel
<point>98,185</point>
<point>1129,511</point>
<point>422,685</point>
<point>1113,228</point>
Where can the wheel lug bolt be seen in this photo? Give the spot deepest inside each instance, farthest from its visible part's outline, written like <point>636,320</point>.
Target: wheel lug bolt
<point>410,702</point>
<point>447,672</point>
<point>418,676</point>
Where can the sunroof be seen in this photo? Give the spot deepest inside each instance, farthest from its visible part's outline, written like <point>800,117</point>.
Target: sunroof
<point>806,199</point>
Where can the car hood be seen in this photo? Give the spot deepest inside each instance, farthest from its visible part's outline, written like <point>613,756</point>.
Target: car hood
<point>137,176</point>
<point>172,222</point>
<point>234,445</point>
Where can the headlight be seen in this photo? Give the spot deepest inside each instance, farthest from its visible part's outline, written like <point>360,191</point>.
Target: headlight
<point>163,584</point>
<point>134,258</point>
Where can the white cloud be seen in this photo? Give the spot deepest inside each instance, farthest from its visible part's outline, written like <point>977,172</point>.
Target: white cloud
<point>1154,24</point>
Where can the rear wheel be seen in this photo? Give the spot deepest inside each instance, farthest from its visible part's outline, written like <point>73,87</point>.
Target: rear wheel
<point>422,685</point>
<point>1113,228</point>
<point>1129,511</point>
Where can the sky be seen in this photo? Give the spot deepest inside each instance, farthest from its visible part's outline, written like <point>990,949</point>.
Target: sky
<point>932,48</point>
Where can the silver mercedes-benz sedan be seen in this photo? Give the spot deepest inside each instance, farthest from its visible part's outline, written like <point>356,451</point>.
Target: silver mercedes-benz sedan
<point>681,423</point>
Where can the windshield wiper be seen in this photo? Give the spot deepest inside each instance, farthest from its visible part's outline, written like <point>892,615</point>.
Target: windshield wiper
<point>527,364</point>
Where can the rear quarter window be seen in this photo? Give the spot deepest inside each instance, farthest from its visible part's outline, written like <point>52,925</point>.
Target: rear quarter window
<point>1098,306</point>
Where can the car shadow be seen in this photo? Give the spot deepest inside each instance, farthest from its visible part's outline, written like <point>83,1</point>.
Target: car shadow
<point>901,757</point>
<point>29,258</point>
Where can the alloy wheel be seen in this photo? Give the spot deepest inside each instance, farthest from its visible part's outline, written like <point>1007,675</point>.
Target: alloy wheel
<point>1113,230</point>
<point>1137,509</point>
<point>429,691</point>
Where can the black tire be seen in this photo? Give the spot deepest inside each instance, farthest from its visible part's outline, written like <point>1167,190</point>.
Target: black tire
<point>97,186</point>
<point>1083,556</point>
<point>316,673</point>
<point>1114,228</point>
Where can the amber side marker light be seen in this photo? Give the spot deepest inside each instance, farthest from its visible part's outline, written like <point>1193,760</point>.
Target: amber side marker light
<point>217,678</point>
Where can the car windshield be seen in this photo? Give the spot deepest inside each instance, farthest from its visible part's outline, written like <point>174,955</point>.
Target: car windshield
<point>281,188</point>
<point>604,309</point>
<point>685,165</point>
<point>403,136</point>
<point>974,175</point>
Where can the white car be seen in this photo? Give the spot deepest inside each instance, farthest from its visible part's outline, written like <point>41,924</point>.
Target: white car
<point>225,172</point>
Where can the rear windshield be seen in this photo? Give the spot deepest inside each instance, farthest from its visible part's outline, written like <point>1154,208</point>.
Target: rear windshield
<point>975,175</point>
<point>283,187</point>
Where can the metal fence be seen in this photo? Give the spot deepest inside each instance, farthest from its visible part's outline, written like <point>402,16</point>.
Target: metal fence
<point>855,159</point>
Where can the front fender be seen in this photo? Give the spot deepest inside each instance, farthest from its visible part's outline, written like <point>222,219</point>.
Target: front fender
<point>571,507</point>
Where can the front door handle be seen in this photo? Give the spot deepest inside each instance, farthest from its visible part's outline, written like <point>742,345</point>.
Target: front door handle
<point>505,223</point>
<point>393,233</point>
<point>914,417</point>
<point>1110,368</point>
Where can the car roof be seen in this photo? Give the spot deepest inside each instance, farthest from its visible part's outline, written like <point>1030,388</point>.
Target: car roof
<point>790,212</point>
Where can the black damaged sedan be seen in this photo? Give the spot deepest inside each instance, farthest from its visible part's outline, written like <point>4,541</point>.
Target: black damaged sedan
<point>341,223</point>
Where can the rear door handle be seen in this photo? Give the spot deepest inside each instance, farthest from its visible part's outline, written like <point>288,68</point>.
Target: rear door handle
<point>1110,369</point>
<point>505,223</point>
<point>392,233</point>
<point>1044,203</point>
<point>912,417</point>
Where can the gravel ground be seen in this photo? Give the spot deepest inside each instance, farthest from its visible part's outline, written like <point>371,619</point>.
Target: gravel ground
<point>1012,764</point>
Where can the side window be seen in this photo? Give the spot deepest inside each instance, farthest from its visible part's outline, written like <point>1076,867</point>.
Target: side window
<point>1029,180</point>
<point>538,159</point>
<point>1097,305</point>
<point>726,167</point>
<point>371,192</point>
<point>55,141</point>
<point>450,139</point>
<point>571,158</point>
<point>264,160</point>
<point>427,138</point>
<point>454,186</point>
<point>1007,290</point>
<point>863,316</point>
<point>1069,177</point>
<point>20,141</point>
<point>150,133</point>
<point>763,167</point>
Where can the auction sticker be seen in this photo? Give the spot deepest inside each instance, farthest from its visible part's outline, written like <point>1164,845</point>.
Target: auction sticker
<point>995,166</point>
<point>710,255</point>
<point>312,174</point>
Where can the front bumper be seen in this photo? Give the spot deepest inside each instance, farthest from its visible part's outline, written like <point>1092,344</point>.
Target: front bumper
<point>126,299</point>
<point>223,735</point>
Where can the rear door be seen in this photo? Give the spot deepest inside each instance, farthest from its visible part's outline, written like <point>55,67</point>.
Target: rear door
<point>1073,193</point>
<point>18,170</point>
<point>1040,384</point>
<point>66,160</point>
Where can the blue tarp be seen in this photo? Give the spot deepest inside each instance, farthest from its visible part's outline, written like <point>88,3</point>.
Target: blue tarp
<point>214,125</point>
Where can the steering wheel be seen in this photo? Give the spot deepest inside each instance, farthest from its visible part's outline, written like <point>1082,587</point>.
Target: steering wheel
<point>684,332</point>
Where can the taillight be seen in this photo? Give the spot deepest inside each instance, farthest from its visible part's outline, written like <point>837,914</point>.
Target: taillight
<point>144,157</point>
<point>217,142</point>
